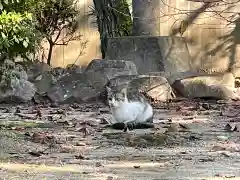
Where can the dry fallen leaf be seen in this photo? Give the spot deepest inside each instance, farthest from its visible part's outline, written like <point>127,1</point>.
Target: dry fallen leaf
<point>36,153</point>
<point>79,156</point>
<point>42,138</point>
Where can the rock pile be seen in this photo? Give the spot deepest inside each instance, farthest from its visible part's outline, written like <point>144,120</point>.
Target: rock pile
<point>75,85</point>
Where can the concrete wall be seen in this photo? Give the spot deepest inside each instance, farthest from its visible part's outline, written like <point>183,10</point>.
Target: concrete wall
<point>207,50</point>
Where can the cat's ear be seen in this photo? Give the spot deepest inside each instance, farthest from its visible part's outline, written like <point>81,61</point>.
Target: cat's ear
<point>124,91</point>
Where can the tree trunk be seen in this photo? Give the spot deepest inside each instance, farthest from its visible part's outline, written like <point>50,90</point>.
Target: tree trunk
<point>146,17</point>
<point>112,20</point>
<point>50,53</point>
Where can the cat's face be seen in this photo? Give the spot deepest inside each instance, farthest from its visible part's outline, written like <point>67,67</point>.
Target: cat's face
<point>116,98</point>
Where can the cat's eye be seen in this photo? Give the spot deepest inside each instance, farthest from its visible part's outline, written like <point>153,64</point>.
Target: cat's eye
<point>118,99</point>
<point>110,99</point>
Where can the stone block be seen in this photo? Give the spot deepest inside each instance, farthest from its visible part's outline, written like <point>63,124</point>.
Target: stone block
<point>151,54</point>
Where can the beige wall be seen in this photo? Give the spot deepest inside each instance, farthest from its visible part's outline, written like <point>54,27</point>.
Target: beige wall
<point>64,55</point>
<point>206,50</point>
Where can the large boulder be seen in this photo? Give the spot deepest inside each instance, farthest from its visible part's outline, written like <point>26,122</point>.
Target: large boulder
<point>216,86</point>
<point>151,53</point>
<point>112,68</point>
<point>35,69</point>
<point>44,82</point>
<point>155,87</point>
<point>58,72</point>
<point>121,81</point>
<point>182,75</point>
<point>74,67</point>
<point>76,87</point>
<point>14,84</point>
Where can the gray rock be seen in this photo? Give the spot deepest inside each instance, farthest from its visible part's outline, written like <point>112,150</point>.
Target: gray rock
<point>16,69</point>
<point>22,74</point>
<point>58,72</point>
<point>74,67</point>
<point>77,87</point>
<point>14,86</point>
<point>217,86</point>
<point>156,87</point>
<point>41,99</point>
<point>121,81</point>
<point>35,69</point>
<point>112,68</point>
<point>21,91</point>
<point>182,75</point>
<point>84,93</point>
<point>44,82</point>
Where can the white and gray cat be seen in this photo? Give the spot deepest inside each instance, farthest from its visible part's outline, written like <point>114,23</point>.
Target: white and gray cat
<point>129,114</point>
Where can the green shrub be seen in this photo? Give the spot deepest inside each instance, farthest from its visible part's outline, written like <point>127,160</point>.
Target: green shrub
<point>25,23</point>
<point>18,5</point>
<point>18,35</point>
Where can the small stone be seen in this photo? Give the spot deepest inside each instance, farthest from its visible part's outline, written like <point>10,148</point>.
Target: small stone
<point>206,106</point>
<point>222,138</point>
<point>230,176</point>
<point>98,164</point>
<point>109,178</point>
<point>228,127</point>
<point>206,160</point>
<point>80,144</point>
<point>173,128</point>
<point>235,129</point>
<point>136,166</point>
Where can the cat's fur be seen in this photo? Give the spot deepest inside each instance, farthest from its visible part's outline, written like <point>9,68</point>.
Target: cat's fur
<point>129,114</point>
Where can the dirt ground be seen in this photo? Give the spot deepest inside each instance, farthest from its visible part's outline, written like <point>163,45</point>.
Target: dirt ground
<point>192,140</point>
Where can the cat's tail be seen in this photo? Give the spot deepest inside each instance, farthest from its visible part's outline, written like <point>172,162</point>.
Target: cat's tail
<point>132,125</point>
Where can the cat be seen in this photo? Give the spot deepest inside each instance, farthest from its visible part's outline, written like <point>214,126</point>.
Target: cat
<point>129,114</point>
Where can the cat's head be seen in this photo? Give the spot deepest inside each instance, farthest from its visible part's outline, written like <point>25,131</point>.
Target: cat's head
<point>115,97</point>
